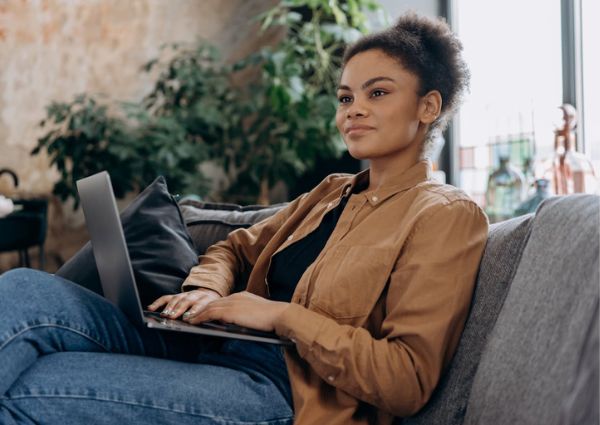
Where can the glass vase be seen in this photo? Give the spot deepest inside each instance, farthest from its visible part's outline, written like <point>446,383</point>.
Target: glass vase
<point>505,191</point>
<point>542,191</point>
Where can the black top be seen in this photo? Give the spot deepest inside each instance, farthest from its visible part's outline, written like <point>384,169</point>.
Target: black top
<point>288,265</point>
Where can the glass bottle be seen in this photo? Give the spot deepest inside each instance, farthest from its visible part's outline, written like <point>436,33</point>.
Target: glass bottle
<point>542,191</point>
<point>505,190</point>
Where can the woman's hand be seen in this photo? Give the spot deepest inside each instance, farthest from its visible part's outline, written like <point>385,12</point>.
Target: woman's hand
<point>242,309</point>
<point>186,303</point>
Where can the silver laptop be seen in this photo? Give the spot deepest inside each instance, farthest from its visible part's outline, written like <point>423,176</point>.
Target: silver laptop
<point>116,273</point>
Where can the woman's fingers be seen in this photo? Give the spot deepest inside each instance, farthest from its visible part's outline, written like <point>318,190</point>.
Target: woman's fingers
<point>220,309</point>
<point>201,305</point>
<point>159,302</point>
<point>181,306</point>
<point>177,305</point>
<point>243,309</point>
<point>209,313</point>
<point>195,309</point>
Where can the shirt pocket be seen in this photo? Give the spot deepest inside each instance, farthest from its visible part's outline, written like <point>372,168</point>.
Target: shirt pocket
<point>351,280</point>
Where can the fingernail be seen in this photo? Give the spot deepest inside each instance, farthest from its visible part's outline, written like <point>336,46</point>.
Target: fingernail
<point>186,314</point>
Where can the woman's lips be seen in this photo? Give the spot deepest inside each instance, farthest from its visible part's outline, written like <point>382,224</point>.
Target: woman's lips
<point>357,130</point>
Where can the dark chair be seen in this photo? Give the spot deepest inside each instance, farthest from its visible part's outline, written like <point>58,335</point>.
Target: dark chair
<point>25,227</point>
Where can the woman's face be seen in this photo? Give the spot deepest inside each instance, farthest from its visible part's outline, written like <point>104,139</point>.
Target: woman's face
<point>379,111</point>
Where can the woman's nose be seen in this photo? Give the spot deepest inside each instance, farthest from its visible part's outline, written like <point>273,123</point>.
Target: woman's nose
<point>356,110</point>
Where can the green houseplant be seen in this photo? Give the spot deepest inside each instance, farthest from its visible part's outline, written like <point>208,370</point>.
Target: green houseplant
<point>84,138</point>
<point>269,129</point>
<point>81,138</point>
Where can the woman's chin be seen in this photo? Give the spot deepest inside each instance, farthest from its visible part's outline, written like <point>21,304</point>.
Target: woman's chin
<point>359,154</point>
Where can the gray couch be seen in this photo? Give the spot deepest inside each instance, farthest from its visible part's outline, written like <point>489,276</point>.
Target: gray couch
<point>529,351</point>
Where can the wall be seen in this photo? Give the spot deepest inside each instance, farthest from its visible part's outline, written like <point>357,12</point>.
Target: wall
<point>51,50</point>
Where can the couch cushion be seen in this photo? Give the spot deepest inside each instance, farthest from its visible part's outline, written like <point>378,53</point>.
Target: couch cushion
<point>581,406</point>
<point>529,363</point>
<point>504,247</point>
<point>160,248</point>
<point>209,223</point>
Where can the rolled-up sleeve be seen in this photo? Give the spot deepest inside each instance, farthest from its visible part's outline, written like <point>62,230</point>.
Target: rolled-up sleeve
<point>427,301</point>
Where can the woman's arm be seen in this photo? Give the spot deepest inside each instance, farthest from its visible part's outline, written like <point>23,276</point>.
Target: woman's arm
<point>219,268</point>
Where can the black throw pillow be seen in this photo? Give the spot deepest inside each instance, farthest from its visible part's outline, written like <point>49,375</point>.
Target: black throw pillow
<point>161,250</point>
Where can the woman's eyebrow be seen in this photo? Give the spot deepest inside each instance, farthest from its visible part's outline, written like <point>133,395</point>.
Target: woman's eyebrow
<point>367,83</point>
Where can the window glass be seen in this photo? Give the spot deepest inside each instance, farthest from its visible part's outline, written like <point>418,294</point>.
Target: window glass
<point>590,11</point>
<point>514,53</point>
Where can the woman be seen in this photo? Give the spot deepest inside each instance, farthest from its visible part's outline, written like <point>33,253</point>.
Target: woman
<point>370,276</point>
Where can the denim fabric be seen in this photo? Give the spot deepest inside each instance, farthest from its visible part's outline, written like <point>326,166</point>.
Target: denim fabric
<point>69,356</point>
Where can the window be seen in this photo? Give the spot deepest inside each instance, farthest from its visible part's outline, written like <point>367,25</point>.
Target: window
<point>514,53</point>
<point>591,79</point>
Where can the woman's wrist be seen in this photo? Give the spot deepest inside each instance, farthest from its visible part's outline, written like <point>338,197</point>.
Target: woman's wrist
<point>208,291</point>
<point>192,288</point>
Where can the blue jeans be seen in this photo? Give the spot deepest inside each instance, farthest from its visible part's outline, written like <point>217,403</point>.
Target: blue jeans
<point>69,356</point>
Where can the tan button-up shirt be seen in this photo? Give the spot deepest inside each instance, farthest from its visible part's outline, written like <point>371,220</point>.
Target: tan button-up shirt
<point>378,315</point>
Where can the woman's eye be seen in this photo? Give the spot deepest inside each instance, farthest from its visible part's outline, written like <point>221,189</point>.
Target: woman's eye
<point>344,99</point>
<point>377,93</point>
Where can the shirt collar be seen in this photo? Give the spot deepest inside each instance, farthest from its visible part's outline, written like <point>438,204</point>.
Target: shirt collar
<point>397,183</point>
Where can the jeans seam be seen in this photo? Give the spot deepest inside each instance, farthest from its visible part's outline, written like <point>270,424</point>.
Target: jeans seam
<point>220,419</point>
<point>52,325</point>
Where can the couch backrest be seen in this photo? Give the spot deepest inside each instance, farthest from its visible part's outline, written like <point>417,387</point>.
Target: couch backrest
<point>209,223</point>
<point>531,357</point>
<point>505,244</point>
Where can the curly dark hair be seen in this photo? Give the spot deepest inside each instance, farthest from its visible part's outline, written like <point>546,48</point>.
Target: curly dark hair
<point>427,48</point>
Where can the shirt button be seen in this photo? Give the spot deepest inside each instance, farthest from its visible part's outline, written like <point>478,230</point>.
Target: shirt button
<point>375,199</point>
<point>290,237</point>
<point>330,378</point>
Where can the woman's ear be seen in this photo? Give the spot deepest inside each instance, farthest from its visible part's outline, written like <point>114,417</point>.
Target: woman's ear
<point>431,107</point>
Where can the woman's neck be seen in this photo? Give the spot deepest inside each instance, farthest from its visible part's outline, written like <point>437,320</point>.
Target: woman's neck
<point>382,170</point>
